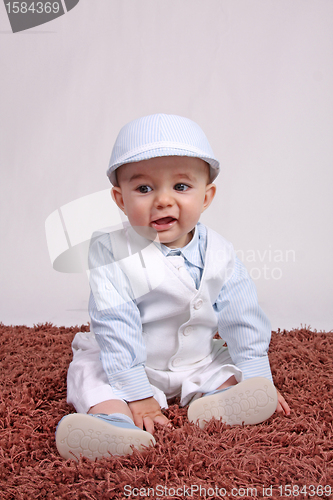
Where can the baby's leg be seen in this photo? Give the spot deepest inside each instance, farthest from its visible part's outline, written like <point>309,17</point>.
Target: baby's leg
<point>111,406</point>
<point>104,424</point>
<point>226,396</point>
<point>228,383</point>
<point>87,383</point>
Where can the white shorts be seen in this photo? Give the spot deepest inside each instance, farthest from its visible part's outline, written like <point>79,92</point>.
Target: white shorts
<point>87,383</point>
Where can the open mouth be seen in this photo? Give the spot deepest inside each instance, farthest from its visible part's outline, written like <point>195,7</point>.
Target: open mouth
<point>163,223</point>
<point>164,220</point>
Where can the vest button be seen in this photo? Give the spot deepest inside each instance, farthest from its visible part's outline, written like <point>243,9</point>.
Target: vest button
<point>188,330</point>
<point>198,304</point>
<point>177,361</point>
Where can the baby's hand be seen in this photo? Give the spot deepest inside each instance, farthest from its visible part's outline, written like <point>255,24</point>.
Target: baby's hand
<point>282,406</point>
<point>147,411</point>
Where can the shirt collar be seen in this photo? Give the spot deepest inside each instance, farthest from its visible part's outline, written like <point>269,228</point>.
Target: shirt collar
<point>190,252</point>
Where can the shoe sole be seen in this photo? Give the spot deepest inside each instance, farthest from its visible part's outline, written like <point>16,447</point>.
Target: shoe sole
<point>80,434</point>
<point>249,402</point>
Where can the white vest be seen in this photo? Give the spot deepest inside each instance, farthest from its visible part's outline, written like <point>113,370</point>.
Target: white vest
<point>178,321</point>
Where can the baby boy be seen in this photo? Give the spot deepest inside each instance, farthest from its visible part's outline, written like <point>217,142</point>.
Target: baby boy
<point>162,286</point>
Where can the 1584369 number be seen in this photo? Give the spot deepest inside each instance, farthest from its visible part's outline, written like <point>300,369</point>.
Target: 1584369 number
<point>33,7</point>
<point>294,490</point>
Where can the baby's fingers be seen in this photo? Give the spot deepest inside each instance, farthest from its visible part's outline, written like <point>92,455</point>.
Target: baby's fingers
<point>149,422</point>
<point>282,406</point>
<point>163,420</point>
<point>138,421</point>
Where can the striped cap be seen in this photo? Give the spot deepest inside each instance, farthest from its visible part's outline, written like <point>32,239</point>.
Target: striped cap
<point>160,135</point>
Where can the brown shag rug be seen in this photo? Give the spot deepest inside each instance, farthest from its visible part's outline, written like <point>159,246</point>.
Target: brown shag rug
<point>285,457</point>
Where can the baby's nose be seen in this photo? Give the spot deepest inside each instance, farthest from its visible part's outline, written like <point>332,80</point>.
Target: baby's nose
<point>164,199</point>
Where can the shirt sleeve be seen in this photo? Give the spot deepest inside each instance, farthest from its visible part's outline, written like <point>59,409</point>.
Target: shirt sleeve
<point>243,325</point>
<point>116,323</point>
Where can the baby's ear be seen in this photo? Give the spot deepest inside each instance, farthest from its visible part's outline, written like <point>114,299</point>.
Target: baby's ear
<point>118,198</point>
<point>209,196</point>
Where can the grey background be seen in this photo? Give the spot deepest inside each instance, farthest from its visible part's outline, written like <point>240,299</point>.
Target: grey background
<point>255,74</point>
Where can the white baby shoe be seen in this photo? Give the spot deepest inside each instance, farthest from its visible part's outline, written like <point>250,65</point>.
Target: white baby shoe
<point>249,402</point>
<point>97,436</point>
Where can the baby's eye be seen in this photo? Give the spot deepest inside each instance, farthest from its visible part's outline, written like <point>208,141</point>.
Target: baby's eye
<point>181,187</point>
<point>144,189</point>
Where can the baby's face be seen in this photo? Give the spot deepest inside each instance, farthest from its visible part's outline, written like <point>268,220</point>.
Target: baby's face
<point>167,194</point>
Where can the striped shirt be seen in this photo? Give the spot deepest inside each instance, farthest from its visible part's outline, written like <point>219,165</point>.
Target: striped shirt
<point>118,328</point>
